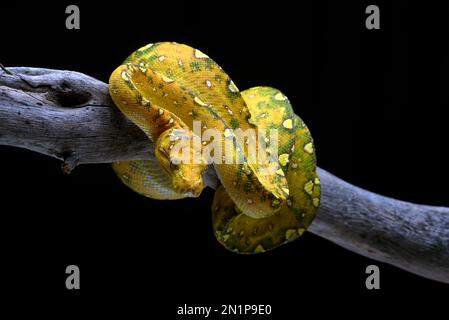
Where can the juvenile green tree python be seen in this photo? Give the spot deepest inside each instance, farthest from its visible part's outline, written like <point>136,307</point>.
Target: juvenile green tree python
<point>164,88</point>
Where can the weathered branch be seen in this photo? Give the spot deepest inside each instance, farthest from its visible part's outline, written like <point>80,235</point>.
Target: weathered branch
<point>70,116</point>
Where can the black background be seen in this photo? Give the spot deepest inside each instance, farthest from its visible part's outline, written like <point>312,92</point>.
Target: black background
<point>375,101</point>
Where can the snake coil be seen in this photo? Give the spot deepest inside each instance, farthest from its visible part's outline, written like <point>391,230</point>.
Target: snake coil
<point>167,89</point>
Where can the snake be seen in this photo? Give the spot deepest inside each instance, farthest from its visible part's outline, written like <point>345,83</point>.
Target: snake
<point>175,93</point>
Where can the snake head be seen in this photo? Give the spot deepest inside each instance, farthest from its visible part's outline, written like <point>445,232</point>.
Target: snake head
<point>176,155</point>
<point>186,179</point>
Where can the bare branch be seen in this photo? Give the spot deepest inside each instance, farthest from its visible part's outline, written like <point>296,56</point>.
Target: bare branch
<point>70,116</point>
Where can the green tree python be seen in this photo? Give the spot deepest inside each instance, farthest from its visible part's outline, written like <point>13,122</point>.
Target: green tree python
<point>167,89</point>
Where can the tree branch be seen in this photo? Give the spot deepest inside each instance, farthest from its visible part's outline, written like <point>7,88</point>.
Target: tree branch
<point>70,116</point>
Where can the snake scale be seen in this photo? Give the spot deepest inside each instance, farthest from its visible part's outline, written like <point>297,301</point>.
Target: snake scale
<point>167,89</point>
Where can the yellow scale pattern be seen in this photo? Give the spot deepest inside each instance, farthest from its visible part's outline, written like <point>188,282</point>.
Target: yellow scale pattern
<point>166,86</point>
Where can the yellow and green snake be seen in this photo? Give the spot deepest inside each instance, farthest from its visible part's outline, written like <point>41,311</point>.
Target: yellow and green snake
<point>165,88</point>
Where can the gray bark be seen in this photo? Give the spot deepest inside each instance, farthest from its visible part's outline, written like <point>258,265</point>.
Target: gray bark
<point>70,116</point>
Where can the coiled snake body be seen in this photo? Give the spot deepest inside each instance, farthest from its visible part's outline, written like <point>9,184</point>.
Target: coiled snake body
<point>165,88</point>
